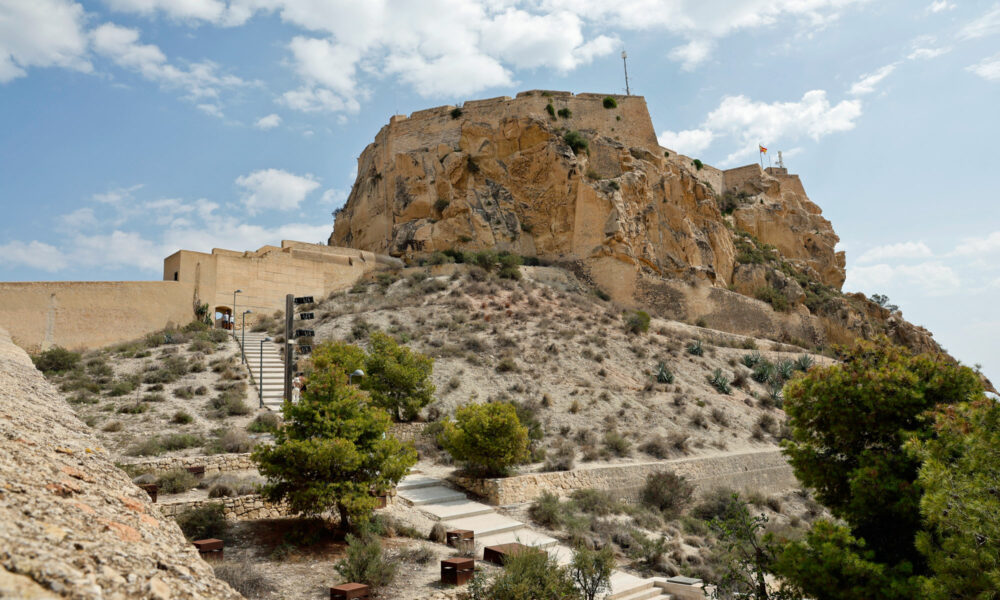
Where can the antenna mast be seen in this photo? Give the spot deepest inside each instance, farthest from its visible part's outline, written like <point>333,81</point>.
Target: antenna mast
<point>625,64</point>
<point>781,161</point>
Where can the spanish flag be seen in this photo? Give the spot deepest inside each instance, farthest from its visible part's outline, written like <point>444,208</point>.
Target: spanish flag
<point>763,150</point>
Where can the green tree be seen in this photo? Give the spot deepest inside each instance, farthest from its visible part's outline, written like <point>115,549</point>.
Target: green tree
<point>746,553</point>
<point>961,504</point>
<point>591,570</point>
<point>341,356</point>
<point>488,438</point>
<point>397,378</point>
<point>529,575</point>
<point>332,452</point>
<point>849,424</point>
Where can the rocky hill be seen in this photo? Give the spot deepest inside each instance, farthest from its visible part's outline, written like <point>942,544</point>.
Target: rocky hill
<point>579,181</point>
<point>72,525</point>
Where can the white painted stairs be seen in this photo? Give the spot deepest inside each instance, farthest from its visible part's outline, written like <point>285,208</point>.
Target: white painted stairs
<point>437,500</point>
<point>273,368</point>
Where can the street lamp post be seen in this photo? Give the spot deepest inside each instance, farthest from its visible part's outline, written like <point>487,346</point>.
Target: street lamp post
<point>260,378</point>
<point>234,312</point>
<point>243,335</point>
<point>357,373</point>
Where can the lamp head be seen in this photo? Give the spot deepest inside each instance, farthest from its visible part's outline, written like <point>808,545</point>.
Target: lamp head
<point>267,339</point>
<point>247,311</point>
<point>238,292</point>
<point>358,373</point>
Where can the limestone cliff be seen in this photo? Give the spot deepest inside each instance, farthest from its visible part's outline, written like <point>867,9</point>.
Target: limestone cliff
<point>580,180</point>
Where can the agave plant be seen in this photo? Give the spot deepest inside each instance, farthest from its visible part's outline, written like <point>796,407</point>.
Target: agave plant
<point>804,363</point>
<point>763,371</point>
<point>751,359</point>
<point>774,393</point>
<point>786,369</point>
<point>695,348</point>
<point>663,374</point>
<point>719,381</point>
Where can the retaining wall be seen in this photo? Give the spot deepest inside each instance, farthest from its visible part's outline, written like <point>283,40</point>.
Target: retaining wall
<point>764,471</point>
<point>214,463</point>
<point>240,508</point>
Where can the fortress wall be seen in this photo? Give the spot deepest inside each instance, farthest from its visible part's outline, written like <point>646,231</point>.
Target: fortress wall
<point>72,525</point>
<point>765,471</point>
<point>428,128</point>
<point>737,177</point>
<point>91,314</point>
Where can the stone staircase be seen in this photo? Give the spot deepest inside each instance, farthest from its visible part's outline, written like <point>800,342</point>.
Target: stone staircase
<point>453,508</point>
<point>273,368</point>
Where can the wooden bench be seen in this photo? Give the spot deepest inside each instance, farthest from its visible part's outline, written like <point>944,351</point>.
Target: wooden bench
<point>457,571</point>
<point>350,591</point>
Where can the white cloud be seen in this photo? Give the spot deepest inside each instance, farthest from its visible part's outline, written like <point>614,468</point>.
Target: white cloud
<point>79,219</point>
<point>940,6</point>
<point>692,54</point>
<point>116,249</point>
<point>308,99</point>
<point>268,122</point>
<point>35,254</point>
<point>988,68</point>
<point>752,122</point>
<point>274,189</point>
<point>930,278</point>
<point>867,83</point>
<point>41,33</point>
<point>986,25</point>
<point>211,11</point>
<point>121,45</point>
<point>117,195</point>
<point>690,142</point>
<point>334,197</point>
<point>211,109</point>
<point>979,245</point>
<point>529,41</point>
<point>903,250</point>
<point>927,53</point>
<point>322,62</point>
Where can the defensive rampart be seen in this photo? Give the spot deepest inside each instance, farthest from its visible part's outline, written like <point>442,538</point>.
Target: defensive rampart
<point>72,525</point>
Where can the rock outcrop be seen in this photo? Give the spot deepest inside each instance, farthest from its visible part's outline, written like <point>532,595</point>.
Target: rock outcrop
<point>581,181</point>
<point>72,525</point>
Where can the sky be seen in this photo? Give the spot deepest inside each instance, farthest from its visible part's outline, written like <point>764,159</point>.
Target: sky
<point>130,129</point>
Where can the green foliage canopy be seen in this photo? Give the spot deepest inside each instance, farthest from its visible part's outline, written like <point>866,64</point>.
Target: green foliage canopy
<point>489,438</point>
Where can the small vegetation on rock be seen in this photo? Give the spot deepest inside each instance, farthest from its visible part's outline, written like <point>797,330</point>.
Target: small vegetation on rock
<point>609,102</point>
<point>576,142</point>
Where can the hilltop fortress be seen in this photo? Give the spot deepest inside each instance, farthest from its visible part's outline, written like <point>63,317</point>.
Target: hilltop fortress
<point>576,181</point>
<point>580,181</point>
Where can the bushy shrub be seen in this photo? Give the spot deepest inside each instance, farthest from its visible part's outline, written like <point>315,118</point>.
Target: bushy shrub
<point>697,164</point>
<point>550,109</point>
<point>637,322</point>
<point>529,574</point>
<point>714,504</point>
<point>265,423</point>
<point>245,577</point>
<point>365,562</point>
<point>609,102</point>
<point>547,510</point>
<point>667,492</point>
<point>510,266</point>
<point>772,296</point>
<point>56,360</point>
<point>230,440</point>
<point>561,457</point>
<point>576,142</point>
<point>488,438</point>
<point>564,113</point>
<point>206,521</point>
<point>176,481</point>
<point>617,443</point>
<point>594,502</point>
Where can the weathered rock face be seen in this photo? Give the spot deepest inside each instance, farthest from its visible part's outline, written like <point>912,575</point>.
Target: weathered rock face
<point>500,175</point>
<point>643,223</point>
<point>72,525</point>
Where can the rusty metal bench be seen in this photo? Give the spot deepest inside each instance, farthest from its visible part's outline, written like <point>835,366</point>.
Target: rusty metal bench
<point>209,549</point>
<point>498,554</point>
<point>455,536</point>
<point>457,571</point>
<point>350,591</point>
<point>196,470</point>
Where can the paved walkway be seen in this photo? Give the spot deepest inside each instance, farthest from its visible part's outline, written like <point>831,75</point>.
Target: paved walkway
<point>436,499</point>
<point>273,368</point>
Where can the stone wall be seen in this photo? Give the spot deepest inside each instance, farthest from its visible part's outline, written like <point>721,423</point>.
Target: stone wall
<point>91,314</point>
<point>407,432</point>
<point>764,471</point>
<point>214,464</point>
<point>240,508</point>
<point>72,525</point>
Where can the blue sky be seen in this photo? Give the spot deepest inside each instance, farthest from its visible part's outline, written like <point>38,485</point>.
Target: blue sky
<point>132,128</point>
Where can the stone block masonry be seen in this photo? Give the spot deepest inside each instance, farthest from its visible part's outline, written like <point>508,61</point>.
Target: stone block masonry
<point>214,464</point>
<point>764,471</point>
<point>72,525</point>
<point>240,508</point>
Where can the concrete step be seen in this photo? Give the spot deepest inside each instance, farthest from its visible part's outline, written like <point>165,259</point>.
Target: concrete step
<point>644,594</point>
<point>562,555</point>
<point>416,481</point>
<point>457,509</point>
<point>430,495</point>
<point>523,535</point>
<point>624,585</point>
<point>487,525</point>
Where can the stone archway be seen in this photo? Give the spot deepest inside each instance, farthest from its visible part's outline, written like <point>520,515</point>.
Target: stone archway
<point>223,318</point>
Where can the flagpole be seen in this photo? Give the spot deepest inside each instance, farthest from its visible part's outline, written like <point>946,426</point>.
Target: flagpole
<point>760,155</point>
